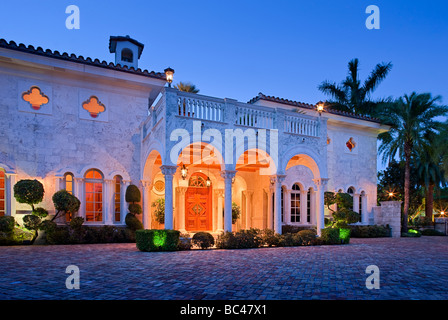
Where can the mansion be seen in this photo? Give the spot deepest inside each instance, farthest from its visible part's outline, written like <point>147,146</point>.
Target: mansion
<point>93,128</point>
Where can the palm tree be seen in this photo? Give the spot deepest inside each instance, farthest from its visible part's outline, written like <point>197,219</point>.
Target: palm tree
<point>186,87</point>
<point>351,95</point>
<point>430,172</point>
<point>413,120</point>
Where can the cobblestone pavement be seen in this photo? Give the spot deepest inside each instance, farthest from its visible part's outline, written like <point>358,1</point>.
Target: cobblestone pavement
<point>410,268</point>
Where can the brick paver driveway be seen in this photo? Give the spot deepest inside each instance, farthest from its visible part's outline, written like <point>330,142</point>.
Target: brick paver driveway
<point>410,268</point>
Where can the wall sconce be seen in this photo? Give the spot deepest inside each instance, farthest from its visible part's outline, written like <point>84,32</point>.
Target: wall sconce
<point>169,73</point>
<point>208,182</point>
<point>233,180</point>
<point>272,180</point>
<point>184,172</point>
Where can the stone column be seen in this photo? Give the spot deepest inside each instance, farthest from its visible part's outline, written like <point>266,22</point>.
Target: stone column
<point>168,172</point>
<point>248,222</point>
<point>320,212</point>
<point>108,201</point>
<point>124,206</point>
<point>356,202</point>
<point>313,206</point>
<point>278,179</point>
<point>220,222</point>
<point>79,193</point>
<point>58,183</point>
<point>287,204</point>
<point>303,206</point>
<point>146,203</point>
<point>269,219</point>
<point>10,201</point>
<point>181,205</point>
<point>365,214</point>
<point>228,175</point>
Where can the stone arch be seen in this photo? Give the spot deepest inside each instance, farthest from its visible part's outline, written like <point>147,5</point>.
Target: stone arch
<point>307,158</point>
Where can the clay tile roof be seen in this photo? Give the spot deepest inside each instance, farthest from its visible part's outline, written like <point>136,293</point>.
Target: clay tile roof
<point>79,59</point>
<point>261,96</point>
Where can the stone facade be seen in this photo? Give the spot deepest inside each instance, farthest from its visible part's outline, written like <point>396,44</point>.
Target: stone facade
<point>274,158</point>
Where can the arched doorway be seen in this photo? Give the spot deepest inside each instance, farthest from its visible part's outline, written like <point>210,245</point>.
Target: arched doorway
<point>198,204</point>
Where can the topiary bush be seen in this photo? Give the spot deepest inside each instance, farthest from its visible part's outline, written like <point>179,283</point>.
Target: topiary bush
<point>245,239</point>
<point>184,242</point>
<point>65,203</point>
<point>132,222</point>
<point>133,194</point>
<point>29,191</point>
<point>371,231</point>
<point>226,240</point>
<point>203,240</point>
<point>157,240</point>
<point>7,223</point>
<point>330,236</point>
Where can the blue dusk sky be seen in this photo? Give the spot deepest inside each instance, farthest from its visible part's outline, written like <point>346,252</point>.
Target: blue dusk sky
<point>236,49</point>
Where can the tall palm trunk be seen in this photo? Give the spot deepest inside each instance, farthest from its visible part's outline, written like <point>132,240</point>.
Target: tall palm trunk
<point>429,205</point>
<point>407,185</point>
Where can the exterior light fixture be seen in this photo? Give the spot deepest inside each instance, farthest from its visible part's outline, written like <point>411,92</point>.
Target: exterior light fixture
<point>208,182</point>
<point>320,107</point>
<point>391,194</point>
<point>184,172</point>
<point>442,212</point>
<point>169,73</point>
<point>233,180</point>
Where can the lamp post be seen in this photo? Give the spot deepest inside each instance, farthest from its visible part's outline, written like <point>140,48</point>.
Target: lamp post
<point>169,73</point>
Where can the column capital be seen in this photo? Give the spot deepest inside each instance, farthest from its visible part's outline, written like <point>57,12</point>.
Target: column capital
<point>146,183</point>
<point>168,170</point>
<point>248,192</point>
<point>78,179</point>
<point>109,181</point>
<point>228,174</point>
<point>320,182</point>
<point>219,192</point>
<point>125,182</point>
<point>182,190</point>
<point>277,179</point>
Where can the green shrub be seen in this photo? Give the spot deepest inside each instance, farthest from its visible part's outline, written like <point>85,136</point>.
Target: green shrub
<point>135,208</point>
<point>65,202</point>
<point>31,222</point>
<point>76,223</point>
<point>293,229</point>
<point>157,240</point>
<point>132,222</point>
<point>48,226</point>
<point>184,242</point>
<point>412,233</point>
<point>422,221</point>
<point>133,194</point>
<point>7,223</point>
<point>236,212</point>
<point>308,236</point>
<point>432,232</point>
<point>60,235</point>
<point>226,240</point>
<point>40,212</point>
<point>358,231</point>
<point>17,236</point>
<point>289,240</point>
<point>270,238</point>
<point>29,191</point>
<point>159,211</point>
<point>203,240</point>
<point>330,236</point>
<point>344,235</point>
<point>248,239</point>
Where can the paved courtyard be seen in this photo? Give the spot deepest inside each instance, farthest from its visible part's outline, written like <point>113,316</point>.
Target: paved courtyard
<point>410,268</point>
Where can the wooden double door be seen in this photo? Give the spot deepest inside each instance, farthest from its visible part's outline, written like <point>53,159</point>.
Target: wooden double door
<point>198,205</point>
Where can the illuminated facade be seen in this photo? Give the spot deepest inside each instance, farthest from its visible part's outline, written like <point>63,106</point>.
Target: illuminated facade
<point>93,128</point>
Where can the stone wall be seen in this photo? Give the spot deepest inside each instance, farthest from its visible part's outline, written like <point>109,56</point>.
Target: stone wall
<point>389,213</point>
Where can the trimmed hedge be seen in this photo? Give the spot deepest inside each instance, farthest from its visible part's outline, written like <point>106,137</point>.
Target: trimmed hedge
<point>373,231</point>
<point>7,223</point>
<point>203,240</point>
<point>330,236</point>
<point>432,232</point>
<point>157,240</point>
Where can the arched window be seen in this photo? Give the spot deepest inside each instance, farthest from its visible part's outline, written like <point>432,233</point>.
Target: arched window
<point>2,193</point>
<point>68,182</point>
<point>295,203</point>
<point>351,191</point>
<point>127,55</point>
<point>197,181</point>
<point>94,195</point>
<point>117,198</point>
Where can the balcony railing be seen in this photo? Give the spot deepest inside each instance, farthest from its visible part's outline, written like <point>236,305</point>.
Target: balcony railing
<point>301,125</point>
<point>197,107</point>
<point>255,116</point>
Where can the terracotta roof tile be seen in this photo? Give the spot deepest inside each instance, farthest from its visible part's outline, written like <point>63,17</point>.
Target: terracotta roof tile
<point>79,59</point>
<point>261,96</point>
